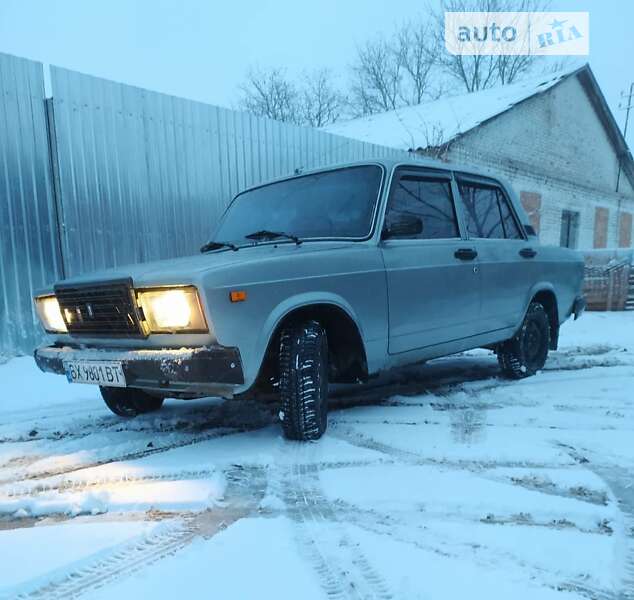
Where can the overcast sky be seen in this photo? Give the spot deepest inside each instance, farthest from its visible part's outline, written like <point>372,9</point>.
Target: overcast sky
<point>202,49</point>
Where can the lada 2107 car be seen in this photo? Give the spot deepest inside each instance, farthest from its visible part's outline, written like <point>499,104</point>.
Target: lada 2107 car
<point>329,276</point>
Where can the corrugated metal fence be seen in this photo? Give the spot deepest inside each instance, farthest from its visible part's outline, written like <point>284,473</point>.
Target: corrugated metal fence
<point>137,176</point>
<point>29,251</point>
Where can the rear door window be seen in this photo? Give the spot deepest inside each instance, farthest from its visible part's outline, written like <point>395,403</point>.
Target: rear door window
<point>511,229</point>
<point>487,213</point>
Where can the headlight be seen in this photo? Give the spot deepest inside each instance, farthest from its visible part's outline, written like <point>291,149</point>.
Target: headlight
<point>50,314</point>
<point>168,310</point>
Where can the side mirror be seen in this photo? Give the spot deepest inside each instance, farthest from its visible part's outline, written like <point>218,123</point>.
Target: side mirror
<point>405,226</point>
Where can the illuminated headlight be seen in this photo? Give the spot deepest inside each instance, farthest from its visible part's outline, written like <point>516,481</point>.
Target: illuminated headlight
<point>50,314</point>
<point>169,310</point>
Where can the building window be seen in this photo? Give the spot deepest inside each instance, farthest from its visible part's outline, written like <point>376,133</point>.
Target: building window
<point>625,230</point>
<point>601,216</point>
<point>569,229</point>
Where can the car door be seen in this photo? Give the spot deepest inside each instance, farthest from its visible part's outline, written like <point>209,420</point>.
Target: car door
<point>504,255</point>
<point>432,276</point>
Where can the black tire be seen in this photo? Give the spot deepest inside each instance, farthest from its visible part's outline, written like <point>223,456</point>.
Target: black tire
<point>304,381</point>
<point>525,353</point>
<point>128,402</point>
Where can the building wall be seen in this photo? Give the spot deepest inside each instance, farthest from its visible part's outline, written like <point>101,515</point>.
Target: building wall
<point>556,152</point>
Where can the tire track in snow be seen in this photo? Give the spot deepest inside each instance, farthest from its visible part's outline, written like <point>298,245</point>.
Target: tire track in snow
<point>121,561</point>
<point>360,440</point>
<point>619,480</point>
<point>480,468</point>
<point>134,455</point>
<point>226,419</point>
<point>91,484</point>
<point>346,574</point>
<point>399,529</point>
<point>133,556</point>
<point>235,414</point>
<point>448,375</point>
<point>73,486</point>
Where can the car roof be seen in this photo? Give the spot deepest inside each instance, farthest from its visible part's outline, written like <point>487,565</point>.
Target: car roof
<point>413,160</point>
<point>389,164</point>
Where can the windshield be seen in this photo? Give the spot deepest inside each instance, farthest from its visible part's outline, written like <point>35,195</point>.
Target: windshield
<point>331,204</point>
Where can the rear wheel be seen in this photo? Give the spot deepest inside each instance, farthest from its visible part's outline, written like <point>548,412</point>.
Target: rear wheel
<point>129,402</point>
<point>304,381</point>
<point>525,353</point>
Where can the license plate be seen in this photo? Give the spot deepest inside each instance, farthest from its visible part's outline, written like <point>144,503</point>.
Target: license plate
<point>108,373</point>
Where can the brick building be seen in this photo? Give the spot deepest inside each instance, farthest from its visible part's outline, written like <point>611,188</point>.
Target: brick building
<point>554,138</point>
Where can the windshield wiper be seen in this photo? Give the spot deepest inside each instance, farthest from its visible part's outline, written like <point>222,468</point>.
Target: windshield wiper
<point>217,245</point>
<point>265,234</point>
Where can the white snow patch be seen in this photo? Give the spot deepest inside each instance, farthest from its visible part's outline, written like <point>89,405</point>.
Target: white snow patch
<point>181,495</point>
<point>26,388</point>
<point>457,495</point>
<point>253,558</point>
<point>38,554</point>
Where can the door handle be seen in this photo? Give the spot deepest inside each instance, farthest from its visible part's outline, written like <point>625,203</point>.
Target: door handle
<point>528,253</point>
<point>465,253</point>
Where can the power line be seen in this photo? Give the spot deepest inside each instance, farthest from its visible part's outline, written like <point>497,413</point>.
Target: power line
<point>627,119</point>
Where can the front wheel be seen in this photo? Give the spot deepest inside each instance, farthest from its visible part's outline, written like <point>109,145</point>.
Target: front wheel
<point>129,402</point>
<point>525,353</point>
<point>304,381</point>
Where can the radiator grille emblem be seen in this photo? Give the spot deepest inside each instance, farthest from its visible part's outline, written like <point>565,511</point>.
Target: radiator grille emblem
<point>100,309</point>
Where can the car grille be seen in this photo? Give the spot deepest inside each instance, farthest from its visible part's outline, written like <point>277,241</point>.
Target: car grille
<point>100,310</point>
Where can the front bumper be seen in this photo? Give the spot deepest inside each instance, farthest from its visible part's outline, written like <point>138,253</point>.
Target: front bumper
<point>195,371</point>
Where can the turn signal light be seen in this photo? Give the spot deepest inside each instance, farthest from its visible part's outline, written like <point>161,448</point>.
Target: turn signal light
<point>238,296</point>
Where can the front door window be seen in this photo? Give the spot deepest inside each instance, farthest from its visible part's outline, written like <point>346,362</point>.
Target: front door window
<point>428,199</point>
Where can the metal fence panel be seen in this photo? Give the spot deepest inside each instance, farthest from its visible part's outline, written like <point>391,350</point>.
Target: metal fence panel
<point>105,174</point>
<point>29,252</point>
<point>145,176</point>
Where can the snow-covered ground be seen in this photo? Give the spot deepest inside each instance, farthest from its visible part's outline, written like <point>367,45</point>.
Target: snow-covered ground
<point>443,481</point>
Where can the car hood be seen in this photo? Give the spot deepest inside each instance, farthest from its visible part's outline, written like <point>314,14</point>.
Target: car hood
<point>189,268</point>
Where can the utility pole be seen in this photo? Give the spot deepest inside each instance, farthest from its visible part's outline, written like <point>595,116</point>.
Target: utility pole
<point>627,108</point>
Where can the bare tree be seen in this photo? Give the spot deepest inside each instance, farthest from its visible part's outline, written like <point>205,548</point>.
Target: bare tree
<point>436,143</point>
<point>480,71</point>
<point>313,100</point>
<point>269,93</point>
<point>377,78</point>
<point>320,102</point>
<point>390,72</point>
<point>406,68</point>
<point>416,51</point>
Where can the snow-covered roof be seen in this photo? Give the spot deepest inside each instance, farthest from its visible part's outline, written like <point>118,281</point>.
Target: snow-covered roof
<point>438,122</point>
